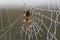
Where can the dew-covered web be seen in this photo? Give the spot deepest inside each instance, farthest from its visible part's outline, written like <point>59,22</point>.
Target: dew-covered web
<point>44,26</point>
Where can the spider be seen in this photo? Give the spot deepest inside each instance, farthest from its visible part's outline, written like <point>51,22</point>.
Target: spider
<point>27,18</point>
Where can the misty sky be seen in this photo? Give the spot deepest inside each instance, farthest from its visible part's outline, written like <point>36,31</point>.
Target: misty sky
<point>28,3</point>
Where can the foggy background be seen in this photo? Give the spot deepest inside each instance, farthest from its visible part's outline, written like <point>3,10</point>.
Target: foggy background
<point>28,3</point>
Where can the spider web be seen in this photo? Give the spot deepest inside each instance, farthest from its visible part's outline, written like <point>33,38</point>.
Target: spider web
<point>44,26</point>
<point>39,29</point>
